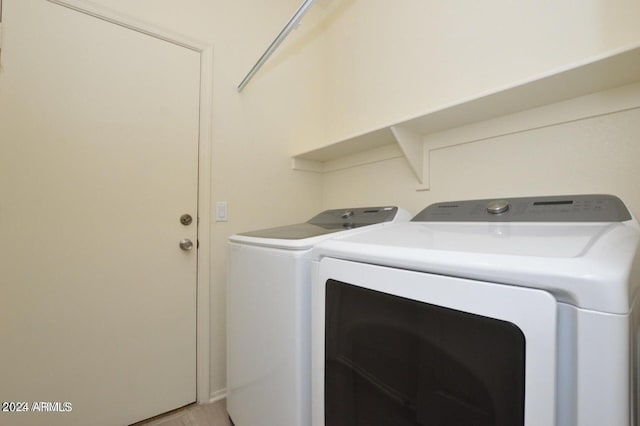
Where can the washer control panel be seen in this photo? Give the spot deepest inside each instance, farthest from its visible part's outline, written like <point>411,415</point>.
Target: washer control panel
<point>355,217</point>
<point>329,221</point>
<point>570,208</point>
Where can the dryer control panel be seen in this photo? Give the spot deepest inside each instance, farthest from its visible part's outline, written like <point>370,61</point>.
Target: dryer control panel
<point>569,208</point>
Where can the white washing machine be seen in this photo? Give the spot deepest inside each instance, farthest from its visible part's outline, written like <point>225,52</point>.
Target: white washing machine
<point>518,312</point>
<point>268,314</point>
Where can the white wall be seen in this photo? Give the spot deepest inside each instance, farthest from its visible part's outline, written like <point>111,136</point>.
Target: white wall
<point>593,155</point>
<point>387,64</point>
<point>390,61</point>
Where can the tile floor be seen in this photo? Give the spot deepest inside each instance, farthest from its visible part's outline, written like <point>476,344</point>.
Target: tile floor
<point>214,414</point>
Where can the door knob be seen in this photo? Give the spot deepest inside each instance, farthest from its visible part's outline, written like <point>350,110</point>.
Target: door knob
<point>186,244</point>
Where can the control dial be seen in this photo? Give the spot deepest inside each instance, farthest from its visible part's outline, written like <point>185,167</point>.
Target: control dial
<point>497,206</point>
<point>347,214</point>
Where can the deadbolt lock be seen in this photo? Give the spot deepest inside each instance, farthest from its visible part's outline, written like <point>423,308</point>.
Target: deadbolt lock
<point>186,219</point>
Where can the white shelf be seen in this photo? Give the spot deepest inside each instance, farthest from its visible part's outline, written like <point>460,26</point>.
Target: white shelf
<point>615,69</point>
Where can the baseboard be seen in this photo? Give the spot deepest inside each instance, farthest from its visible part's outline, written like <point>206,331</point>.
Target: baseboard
<point>218,395</point>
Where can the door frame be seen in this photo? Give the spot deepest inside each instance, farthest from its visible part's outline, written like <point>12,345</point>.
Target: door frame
<point>205,50</point>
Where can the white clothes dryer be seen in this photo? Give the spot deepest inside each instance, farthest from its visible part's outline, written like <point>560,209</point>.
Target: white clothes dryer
<point>517,312</point>
<point>268,314</point>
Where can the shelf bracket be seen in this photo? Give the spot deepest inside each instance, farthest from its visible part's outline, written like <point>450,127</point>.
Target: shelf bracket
<point>412,146</point>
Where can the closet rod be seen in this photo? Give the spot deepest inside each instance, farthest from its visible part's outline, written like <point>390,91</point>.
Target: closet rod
<point>293,22</point>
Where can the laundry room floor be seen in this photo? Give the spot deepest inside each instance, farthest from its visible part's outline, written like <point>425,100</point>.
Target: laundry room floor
<point>214,414</point>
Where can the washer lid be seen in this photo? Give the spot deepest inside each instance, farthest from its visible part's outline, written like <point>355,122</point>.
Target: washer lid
<point>297,231</point>
<point>327,222</point>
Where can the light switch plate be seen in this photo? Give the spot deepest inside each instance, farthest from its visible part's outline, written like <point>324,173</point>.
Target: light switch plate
<point>221,211</point>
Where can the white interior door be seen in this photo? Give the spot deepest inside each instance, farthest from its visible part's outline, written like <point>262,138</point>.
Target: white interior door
<point>98,161</point>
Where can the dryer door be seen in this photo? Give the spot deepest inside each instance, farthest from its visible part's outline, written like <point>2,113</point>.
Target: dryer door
<point>398,347</point>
